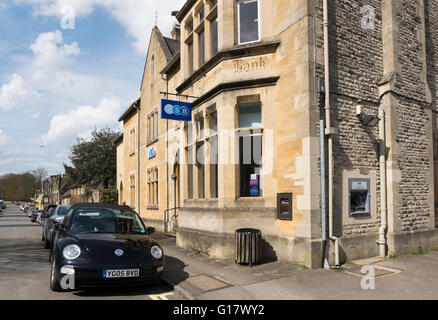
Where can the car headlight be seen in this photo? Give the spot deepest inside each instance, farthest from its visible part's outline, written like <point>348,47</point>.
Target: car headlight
<point>156,252</point>
<point>71,252</point>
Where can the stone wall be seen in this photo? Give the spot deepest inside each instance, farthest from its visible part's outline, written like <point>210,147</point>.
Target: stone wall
<point>358,66</point>
<point>431,23</point>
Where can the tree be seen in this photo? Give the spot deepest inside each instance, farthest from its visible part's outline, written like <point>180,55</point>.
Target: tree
<point>94,160</point>
<point>40,175</point>
<point>21,187</point>
<point>110,196</point>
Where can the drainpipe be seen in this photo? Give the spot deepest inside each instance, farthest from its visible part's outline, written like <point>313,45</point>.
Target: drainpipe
<point>329,131</point>
<point>167,158</point>
<point>325,263</point>
<point>138,159</point>
<point>382,242</point>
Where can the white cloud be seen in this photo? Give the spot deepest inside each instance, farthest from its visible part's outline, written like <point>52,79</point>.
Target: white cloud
<point>80,121</point>
<point>18,94</point>
<point>136,16</point>
<point>7,161</point>
<point>51,53</point>
<point>4,139</point>
<point>48,72</point>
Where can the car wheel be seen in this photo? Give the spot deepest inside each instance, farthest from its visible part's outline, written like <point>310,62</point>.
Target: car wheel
<point>51,255</point>
<point>42,237</point>
<point>54,281</point>
<point>46,244</point>
<point>157,281</point>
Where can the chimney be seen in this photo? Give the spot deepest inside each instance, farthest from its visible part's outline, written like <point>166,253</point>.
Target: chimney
<point>176,32</point>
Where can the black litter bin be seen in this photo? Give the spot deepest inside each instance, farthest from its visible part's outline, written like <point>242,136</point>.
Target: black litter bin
<point>248,248</point>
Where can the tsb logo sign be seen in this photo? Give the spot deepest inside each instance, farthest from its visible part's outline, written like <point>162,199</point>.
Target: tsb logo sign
<point>176,110</point>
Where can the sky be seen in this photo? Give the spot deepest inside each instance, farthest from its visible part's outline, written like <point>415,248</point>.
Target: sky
<point>66,68</point>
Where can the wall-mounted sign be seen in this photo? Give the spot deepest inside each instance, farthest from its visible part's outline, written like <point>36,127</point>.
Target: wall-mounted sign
<point>152,153</point>
<point>176,110</point>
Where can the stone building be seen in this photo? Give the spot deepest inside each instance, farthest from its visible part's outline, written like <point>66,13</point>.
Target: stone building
<point>263,77</point>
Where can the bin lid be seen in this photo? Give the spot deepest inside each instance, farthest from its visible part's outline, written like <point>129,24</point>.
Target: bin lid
<point>246,230</point>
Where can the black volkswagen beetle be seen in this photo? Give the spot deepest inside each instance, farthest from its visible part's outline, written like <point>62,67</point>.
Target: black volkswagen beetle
<point>103,245</point>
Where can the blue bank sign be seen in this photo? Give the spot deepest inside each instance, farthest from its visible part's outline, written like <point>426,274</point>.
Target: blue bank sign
<point>176,110</point>
<point>151,153</point>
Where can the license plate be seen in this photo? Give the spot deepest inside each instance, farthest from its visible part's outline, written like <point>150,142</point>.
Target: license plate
<point>131,273</point>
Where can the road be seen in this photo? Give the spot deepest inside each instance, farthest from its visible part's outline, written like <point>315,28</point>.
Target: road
<point>26,269</point>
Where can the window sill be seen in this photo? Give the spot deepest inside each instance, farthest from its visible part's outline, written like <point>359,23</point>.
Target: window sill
<point>189,38</point>
<point>155,208</point>
<point>151,142</point>
<point>212,14</point>
<point>200,27</point>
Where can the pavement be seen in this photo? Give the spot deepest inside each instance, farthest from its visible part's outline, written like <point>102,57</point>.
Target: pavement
<point>198,277</point>
<point>25,268</point>
<point>190,275</point>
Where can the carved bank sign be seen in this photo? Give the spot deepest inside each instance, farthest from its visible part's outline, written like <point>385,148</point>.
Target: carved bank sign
<point>233,71</point>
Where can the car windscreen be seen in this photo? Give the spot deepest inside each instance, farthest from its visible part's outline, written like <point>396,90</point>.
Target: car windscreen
<point>62,211</point>
<point>105,220</point>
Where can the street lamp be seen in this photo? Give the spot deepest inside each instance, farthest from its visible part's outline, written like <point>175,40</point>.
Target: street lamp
<point>366,120</point>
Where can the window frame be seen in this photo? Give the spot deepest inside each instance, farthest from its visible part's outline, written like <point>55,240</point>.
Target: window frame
<point>252,131</point>
<point>238,21</point>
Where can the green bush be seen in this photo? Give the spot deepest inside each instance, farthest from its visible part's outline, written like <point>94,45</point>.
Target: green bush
<point>110,196</point>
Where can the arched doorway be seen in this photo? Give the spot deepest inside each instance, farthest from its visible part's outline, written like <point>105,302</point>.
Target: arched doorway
<point>172,214</point>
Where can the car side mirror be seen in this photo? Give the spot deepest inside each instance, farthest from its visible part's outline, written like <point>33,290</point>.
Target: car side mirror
<point>59,227</point>
<point>150,230</point>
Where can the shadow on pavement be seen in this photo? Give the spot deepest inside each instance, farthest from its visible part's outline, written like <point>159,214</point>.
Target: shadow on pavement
<point>14,216</point>
<point>20,226</point>
<point>18,256</point>
<point>174,270</point>
<point>173,273</point>
<point>123,291</point>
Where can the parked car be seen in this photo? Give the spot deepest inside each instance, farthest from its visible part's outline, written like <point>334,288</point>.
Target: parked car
<point>27,210</point>
<point>3,204</point>
<point>44,214</point>
<point>35,214</point>
<point>58,215</point>
<point>104,245</point>
<point>47,213</point>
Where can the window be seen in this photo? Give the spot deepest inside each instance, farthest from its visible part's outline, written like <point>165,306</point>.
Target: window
<point>213,123</point>
<point>201,15</point>
<point>153,187</point>
<point>132,190</point>
<point>248,21</point>
<point>250,116</point>
<point>156,125</point>
<point>200,165</point>
<point>190,172</point>
<point>152,127</point>
<point>152,70</point>
<point>190,58</point>
<point>132,141</point>
<point>201,42</point>
<point>213,155</point>
<point>189,27</point>
<point>250,150</point>
<point>214,37</point>
<point>200,128</point>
